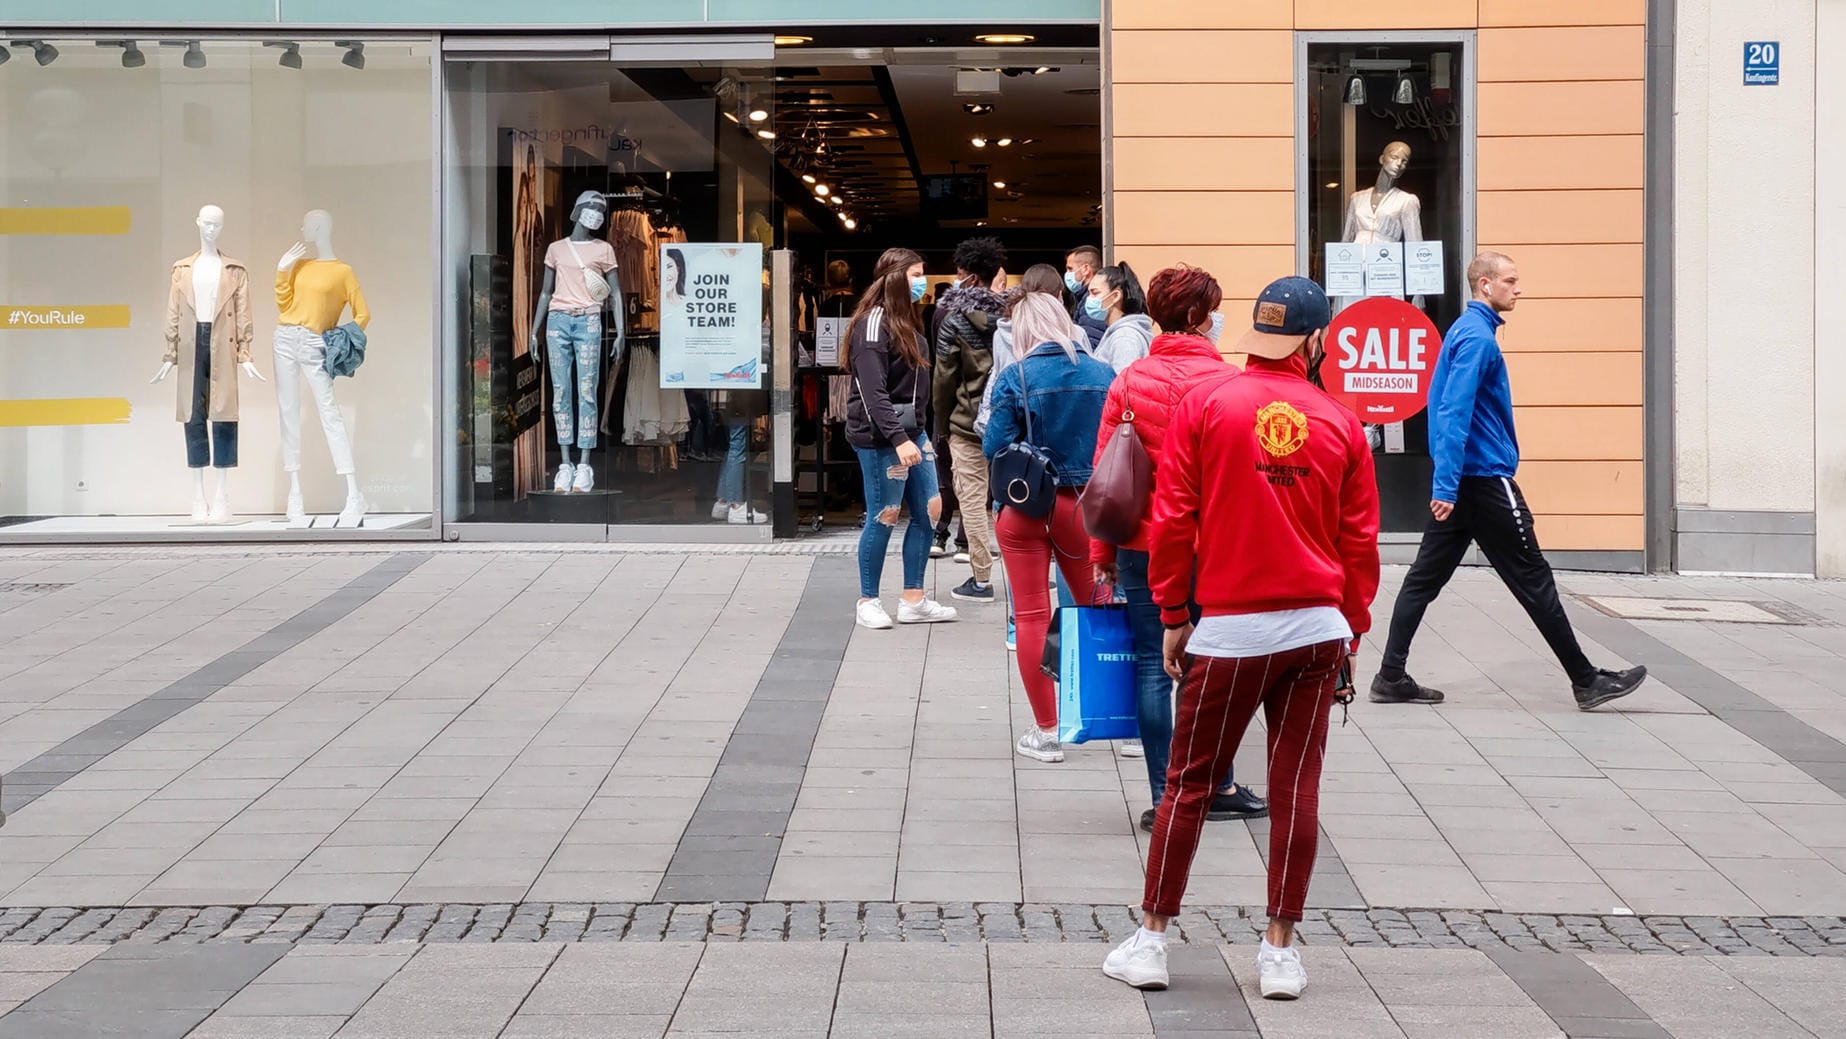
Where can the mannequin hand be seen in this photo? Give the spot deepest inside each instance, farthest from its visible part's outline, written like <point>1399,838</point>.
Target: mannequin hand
<point>166,369</point>
<point>536,344</point>
<point>250,370</point>
<point>296,253</point>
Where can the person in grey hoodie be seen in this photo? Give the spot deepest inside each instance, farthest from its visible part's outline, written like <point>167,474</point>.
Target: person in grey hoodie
<point>1040,277</point>
<point>1116,296</point>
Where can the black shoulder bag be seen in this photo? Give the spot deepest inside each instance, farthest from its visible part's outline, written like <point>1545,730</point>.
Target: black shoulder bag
<point>1021,475</point>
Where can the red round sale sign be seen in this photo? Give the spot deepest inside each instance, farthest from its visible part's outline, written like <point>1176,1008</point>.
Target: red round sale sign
<point>1380,353</point>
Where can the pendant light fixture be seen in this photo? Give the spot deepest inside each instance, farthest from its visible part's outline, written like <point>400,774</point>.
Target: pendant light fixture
<point>1406,90</point>
<point>1355,90</point>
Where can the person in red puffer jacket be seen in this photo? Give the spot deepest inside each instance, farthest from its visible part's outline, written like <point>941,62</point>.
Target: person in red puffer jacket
<point>1180,299</point>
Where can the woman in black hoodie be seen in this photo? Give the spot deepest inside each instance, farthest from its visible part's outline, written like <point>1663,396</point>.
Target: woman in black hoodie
<point>887,416</point>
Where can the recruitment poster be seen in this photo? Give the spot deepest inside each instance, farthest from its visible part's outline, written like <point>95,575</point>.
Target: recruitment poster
<point>711,316</point>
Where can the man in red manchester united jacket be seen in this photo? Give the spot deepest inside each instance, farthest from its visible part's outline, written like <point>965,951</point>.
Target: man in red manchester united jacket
<point>1266,491</point>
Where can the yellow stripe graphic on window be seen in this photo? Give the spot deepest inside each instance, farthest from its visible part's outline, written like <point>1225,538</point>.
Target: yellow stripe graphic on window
<point>68,411</point>
<point>73,220</point>
<point>63,319</point>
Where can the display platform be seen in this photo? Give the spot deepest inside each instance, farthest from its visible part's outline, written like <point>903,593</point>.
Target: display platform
<point>186,526</point>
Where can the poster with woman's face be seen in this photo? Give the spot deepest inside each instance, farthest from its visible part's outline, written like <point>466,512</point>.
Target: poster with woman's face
<point>711,305</point>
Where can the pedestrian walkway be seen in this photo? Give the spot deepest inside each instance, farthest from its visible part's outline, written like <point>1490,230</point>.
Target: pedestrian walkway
<point>393,751</point>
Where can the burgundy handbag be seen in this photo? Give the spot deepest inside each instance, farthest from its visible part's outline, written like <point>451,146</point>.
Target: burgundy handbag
<point>1116,498</point>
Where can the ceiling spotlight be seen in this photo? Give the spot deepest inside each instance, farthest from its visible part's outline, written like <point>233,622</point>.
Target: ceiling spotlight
<point>1005,142</point>
<point>195,57</point>
<point>977,108</point>
<point>851,224</point>
<point>793,41</point>
<point>355,53</point>
<point>1406,90</point>
<point>767,135</point>
<point>807,178</point>
<point>838,200</point>
<point>132,57</point>
<point>1355,90</point>
<point>757,115</point>
<point>732,116</point>
<point>978,142</point>
<point>5,55</point>
<point>822,190</point>
<point>291,53</point>
<point>42,52</point>
<point>1001,184</point>
<point>1042,69</point>
<point>1004,39</point>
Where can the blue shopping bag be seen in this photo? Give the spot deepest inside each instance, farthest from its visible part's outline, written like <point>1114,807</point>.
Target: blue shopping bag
<point>1096,674</point>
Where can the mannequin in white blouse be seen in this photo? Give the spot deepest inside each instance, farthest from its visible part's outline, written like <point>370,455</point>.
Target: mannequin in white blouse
<point>1384,212</point>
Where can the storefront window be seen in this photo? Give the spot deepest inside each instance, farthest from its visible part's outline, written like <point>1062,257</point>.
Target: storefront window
<point>1388,152</point>
<point>180,223</point>
<point>609,229</point>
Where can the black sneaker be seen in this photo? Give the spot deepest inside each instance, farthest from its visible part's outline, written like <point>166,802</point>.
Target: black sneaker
<point>1608,685</point>
<point>973,591</point>
<point>1147,819</point>
<point>940,546</point>
<point>1238,804</point>
<point>1404,690</point>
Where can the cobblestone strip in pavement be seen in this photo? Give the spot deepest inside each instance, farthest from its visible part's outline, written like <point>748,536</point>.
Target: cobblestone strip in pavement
<point>60,764</point>
<point>952,922</point>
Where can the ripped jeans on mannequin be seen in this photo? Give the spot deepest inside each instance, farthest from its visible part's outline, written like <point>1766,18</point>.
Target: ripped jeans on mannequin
<point>890,487</point>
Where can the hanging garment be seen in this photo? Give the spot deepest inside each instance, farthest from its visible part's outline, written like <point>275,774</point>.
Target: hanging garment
<point>651,415</point>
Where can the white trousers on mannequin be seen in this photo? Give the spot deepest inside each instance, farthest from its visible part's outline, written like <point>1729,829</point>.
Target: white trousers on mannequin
<point>302,353</point>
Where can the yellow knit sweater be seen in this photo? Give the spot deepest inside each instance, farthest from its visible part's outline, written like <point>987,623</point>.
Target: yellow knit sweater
<point>314,293</point>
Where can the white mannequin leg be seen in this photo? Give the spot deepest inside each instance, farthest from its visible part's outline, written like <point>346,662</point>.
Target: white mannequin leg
<point>199,512</point>
<point>221,498</point>
<point>297,514</point>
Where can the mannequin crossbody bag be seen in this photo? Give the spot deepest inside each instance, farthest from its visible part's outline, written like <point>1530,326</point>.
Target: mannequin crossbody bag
<point>1021,475</point>
<point>593,281</point>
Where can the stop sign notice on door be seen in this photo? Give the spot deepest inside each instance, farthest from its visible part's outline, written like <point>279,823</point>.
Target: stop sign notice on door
<point>1380,353</point>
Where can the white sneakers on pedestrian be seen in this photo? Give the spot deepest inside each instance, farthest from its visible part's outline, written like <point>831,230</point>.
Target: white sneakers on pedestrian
<point>1280,972</point>
<point>1141,961</point>
<point>925,611</point>
<point>1039,745</point>
<point>566,473</point>
<point>584,481</point>
<point>743,513</point>
<point>872,615</point>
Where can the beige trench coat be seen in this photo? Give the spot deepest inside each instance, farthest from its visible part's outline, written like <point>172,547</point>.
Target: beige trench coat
<point>233,331</point>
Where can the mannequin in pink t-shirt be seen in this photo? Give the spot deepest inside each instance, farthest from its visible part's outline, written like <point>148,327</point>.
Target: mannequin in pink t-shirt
<point>580,284</point>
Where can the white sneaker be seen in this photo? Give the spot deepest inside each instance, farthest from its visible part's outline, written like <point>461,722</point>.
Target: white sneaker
<point>928,611</point>
<point>961,555</point>
<point>585,480</point>
<point>721,510</point>
<point>1281,972</point>
<point>1131,749</point>
<point>297,512</point>
<point>1141,964</point>
<point>353,514</point>
<point>566,473</point>
<point>872,615</point>
<point>743,513</point>
<point>1039,745</point>
<point>199,512</point>
<point>220,510</point>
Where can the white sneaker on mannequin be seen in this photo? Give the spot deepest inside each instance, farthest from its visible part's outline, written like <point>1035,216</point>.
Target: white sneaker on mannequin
<point>353,514</point>
<point>220,510</point>
<point>566,474</point>
<point>297,512</point>
<point>584,481</point>
<point>199,511</point>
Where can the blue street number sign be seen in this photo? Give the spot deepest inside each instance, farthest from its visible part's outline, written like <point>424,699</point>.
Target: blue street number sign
<point>1762,64</point>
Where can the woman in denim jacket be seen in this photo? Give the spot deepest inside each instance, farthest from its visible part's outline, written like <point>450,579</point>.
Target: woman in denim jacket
<point>1063,388</point>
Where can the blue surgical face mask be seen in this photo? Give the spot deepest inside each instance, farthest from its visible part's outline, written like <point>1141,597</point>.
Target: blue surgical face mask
<point>1071,282</point>
<point>1092,305</point>
<point>918,286</point>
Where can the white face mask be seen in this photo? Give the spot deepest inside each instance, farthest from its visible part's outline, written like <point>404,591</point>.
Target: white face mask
<point>592,218</point>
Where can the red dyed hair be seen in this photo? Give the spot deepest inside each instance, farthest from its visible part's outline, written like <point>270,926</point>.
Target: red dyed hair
<point>1182,298</point>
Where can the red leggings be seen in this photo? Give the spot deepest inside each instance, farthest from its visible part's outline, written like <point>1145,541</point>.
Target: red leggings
<point>1216,702</point>
<point>1027,547</point>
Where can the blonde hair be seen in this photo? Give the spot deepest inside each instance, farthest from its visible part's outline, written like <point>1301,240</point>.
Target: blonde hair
<point>1040,318</point>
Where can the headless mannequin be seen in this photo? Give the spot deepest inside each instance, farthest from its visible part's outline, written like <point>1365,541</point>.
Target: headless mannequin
<point>205,271</point>
<point>317,241</point>
<point>590,219</point>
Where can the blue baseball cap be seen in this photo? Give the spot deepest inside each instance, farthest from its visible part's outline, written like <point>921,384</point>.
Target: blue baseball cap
<point>1288,311</point>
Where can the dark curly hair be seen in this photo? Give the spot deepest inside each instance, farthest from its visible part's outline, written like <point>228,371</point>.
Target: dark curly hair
<point>981,257</point>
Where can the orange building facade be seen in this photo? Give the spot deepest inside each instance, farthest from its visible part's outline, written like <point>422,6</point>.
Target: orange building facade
<point>1237,133</point>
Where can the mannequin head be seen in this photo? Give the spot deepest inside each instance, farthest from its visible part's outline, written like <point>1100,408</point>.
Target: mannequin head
<point>1395,159</point>
<point>317,230</point>
<point>211,225</point>
<point>590,211</point>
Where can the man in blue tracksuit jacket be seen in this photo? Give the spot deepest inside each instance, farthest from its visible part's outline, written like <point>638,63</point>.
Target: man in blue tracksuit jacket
<point>1473,498</point>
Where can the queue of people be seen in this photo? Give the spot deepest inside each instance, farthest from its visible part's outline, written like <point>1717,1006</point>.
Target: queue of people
<point>1249,577</point>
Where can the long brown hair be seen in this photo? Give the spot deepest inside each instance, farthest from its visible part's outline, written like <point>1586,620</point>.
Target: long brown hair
<point>1040,277</point>
<point>890,289</point>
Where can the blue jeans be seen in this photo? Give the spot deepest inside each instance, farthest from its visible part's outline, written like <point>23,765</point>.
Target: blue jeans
<point>1154,704</point>
<point>574,339</point>
<point>889,486</point>
<point>731,476</point>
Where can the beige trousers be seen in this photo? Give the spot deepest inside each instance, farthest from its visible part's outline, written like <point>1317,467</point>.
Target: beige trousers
<point>969,467</point>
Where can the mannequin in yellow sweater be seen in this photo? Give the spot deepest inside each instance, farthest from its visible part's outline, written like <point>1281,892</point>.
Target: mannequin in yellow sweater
<point>313,294</point>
